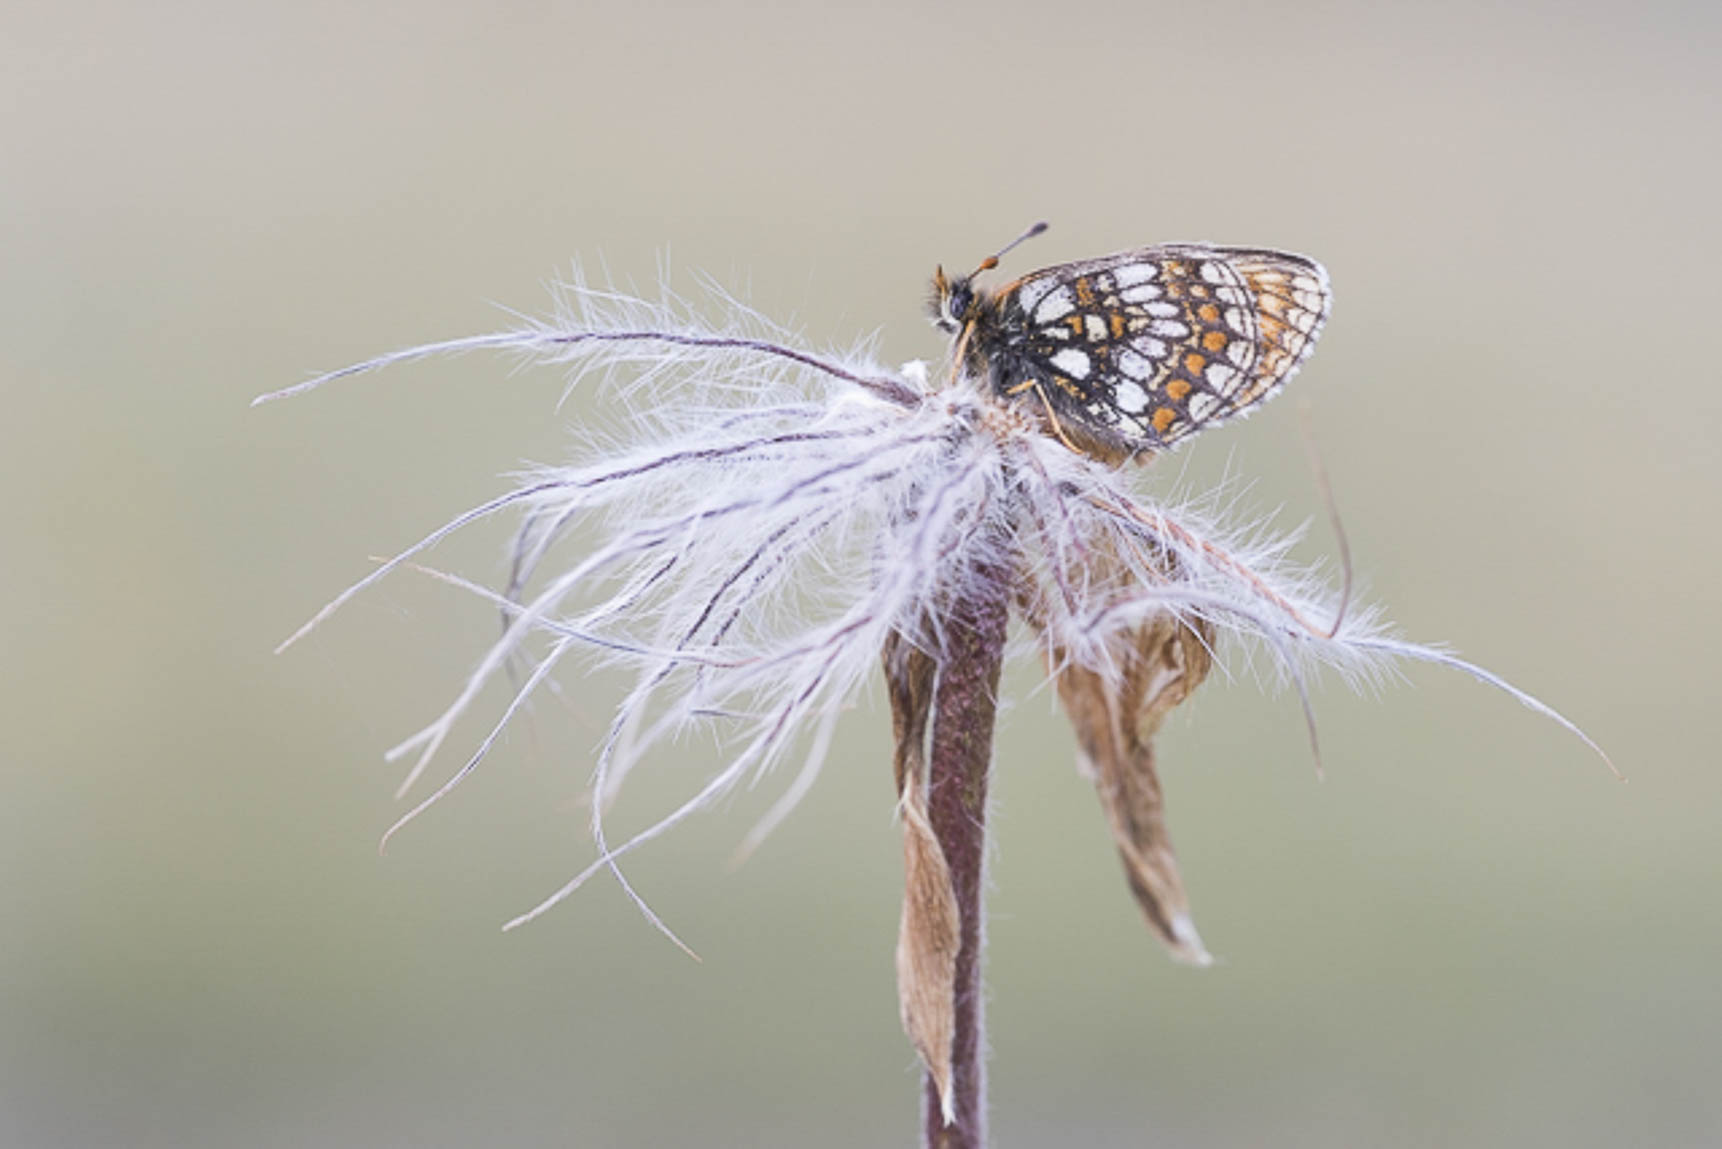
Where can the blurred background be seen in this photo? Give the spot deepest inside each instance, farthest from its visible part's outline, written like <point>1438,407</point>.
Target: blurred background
<point>1469,934</point>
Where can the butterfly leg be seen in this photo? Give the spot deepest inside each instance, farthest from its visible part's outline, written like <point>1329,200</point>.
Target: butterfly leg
<point>1046,405</point>
<point>960,351</point>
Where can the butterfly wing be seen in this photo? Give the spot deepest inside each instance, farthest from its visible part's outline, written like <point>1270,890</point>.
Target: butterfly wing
<point>1146,347</point>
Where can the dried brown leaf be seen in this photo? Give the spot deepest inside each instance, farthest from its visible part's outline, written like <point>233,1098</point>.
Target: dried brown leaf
<point>927,945</point>
<point>909,675</point>
<point>1115,719</point>
<point>1115,723</point>
<point>929,936</point>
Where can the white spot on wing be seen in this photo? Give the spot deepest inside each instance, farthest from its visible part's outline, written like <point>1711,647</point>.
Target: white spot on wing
<point>1240,352</point>
<point>1057,304</point>
<point>1131,399</point>
<point>1134,365</point>
<point>1170,328</point>
<point>1032,292</point>
<point>1152,348</point>
<point>1141,293</point>
<point>1131,274</point>
<point>1162,310</point>
<point>1202,406</point>
<point>1072,362</point>
<point>1213,273</point>
<point>1096,327</point>
<point>1221,378</point>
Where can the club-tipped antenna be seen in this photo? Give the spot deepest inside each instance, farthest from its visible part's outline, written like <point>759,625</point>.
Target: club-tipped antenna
<point>992,260</point>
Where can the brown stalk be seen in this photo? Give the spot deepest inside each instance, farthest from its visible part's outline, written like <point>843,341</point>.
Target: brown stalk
<point>944,837</point>
<point>943,709</point>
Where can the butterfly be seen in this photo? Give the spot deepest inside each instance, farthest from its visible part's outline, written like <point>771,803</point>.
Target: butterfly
<point>1130,353</point>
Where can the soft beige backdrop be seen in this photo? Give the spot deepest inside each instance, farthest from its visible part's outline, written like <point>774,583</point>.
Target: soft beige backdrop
<point>1467,935</point>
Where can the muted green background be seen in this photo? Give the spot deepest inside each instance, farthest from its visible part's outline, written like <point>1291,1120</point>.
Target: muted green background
<point>1467,935</point>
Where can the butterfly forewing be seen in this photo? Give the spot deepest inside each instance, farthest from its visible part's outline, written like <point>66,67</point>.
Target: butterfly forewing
<point>1148,346</point>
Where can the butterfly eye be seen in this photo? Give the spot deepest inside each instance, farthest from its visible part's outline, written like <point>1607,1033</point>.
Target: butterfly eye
<point>960,300</point>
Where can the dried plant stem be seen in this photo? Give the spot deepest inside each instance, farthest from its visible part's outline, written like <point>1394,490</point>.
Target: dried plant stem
<point>965,704</point>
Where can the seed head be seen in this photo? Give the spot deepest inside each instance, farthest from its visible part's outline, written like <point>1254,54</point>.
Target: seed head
<point>773,519</point>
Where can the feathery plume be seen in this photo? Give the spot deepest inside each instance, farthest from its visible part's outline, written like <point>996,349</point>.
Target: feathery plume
<point>775,521</point>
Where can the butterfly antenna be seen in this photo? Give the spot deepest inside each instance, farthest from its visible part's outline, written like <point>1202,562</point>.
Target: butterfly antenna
<point>992,260</point>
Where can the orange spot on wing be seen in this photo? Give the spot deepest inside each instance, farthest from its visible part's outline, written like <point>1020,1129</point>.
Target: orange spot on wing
<point>1177,388</point>
<point>1163,417</point>
<point>1117,318</point>
<point>1195,364</point>
<point>1214,341</point>
<point>1208,313</point>
<point>1084,292</point>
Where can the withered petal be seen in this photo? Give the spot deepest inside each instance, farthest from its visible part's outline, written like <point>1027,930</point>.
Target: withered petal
<point>930,934</point>
<point>927,944</point>
<point>909,677</point>
<point>1115,722</point>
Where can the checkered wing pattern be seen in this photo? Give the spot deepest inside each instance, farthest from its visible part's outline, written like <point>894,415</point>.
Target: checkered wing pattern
<point>1150,346</point>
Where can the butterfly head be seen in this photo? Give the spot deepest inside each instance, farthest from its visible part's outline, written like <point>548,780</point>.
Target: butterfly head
<point>956,302</point>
